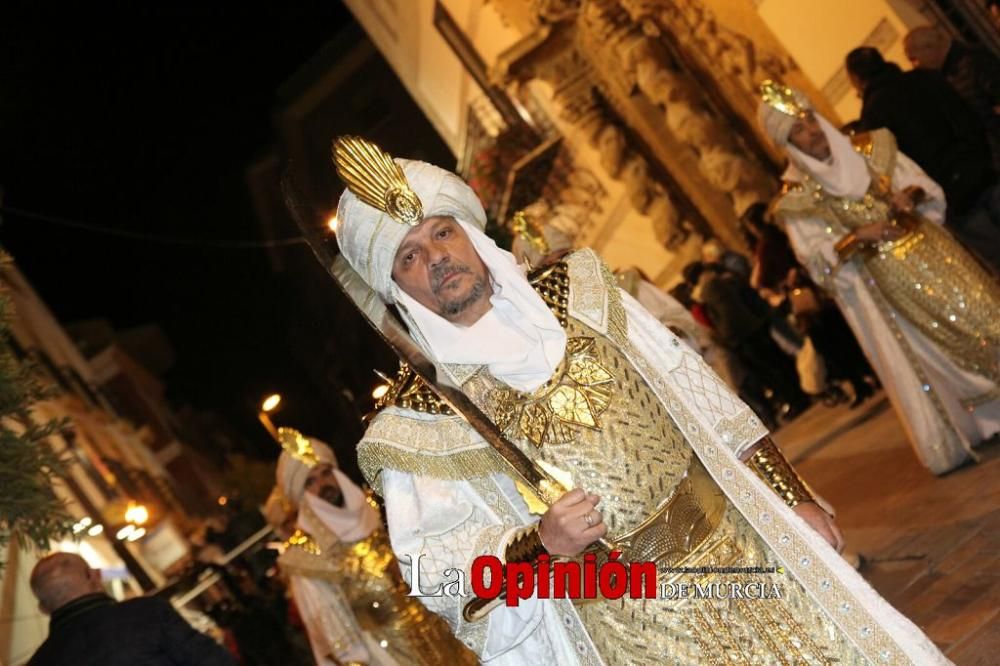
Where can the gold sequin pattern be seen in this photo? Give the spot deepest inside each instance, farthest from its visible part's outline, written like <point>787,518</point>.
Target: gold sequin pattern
<point>787,630</point>
<point>369,575</point>
<point>930,280</point>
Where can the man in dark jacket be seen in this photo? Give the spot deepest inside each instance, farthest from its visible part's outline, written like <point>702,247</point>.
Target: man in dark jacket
<point>974,73</point>
<point>88,627</point>
<point>932,124</point>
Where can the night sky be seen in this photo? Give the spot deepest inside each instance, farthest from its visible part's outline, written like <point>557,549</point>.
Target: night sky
<point>146,120</point>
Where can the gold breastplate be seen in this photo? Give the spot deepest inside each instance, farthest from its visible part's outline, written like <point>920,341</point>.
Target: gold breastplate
<point>597,420</point>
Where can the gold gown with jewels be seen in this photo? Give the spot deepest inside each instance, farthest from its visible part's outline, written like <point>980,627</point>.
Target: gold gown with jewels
<point>922,307</point>
<point>926,275</point>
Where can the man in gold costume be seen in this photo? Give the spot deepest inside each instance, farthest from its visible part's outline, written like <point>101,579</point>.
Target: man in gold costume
<point>343,575</point>
<point>865,220</point>
<point>666,463</point>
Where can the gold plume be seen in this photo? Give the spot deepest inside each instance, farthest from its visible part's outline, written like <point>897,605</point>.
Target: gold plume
<point>782,98</point>
<point>528,230</point>
<point>298,446</point>
<point>372,175</point>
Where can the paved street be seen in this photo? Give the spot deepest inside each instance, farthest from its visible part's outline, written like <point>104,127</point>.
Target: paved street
<point>932,543</point>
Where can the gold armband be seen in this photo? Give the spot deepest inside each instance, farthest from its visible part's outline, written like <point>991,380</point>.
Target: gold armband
<point>526,546</point>
<point>847,246</point>
<point>771,466</point>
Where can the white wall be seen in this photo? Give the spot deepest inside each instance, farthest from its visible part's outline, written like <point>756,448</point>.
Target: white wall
<point>404,32</point>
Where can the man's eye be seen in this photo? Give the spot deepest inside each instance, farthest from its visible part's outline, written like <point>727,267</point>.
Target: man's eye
<point>444,233</point>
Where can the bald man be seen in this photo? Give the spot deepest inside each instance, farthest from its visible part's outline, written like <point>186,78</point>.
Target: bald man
<point>88,627</point>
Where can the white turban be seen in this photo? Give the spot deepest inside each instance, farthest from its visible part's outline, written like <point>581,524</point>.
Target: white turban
<point>778,124</point>
<point>369,238</point>
<point>519,338</point>
<point>845,174</point>
<point>292,472</point>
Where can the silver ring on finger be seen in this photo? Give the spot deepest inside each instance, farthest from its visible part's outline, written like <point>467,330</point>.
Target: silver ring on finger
<point>589,519</point>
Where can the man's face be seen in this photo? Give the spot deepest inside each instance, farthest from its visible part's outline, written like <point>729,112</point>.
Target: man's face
<point>438,266</point>
<point>323,484</point>
<point>807,135</point>
<point>926,50</point>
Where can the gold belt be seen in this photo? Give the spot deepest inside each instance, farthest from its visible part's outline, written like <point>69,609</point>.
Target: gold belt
<point>681,525</point>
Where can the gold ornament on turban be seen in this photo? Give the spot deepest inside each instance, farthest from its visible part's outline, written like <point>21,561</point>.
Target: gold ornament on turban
<point>529,230</point>
<point>782,98</point>
<point>375,178</point>
<point>298,446</point>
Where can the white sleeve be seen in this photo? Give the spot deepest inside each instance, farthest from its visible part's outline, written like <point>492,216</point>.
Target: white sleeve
<point>445,525</point>
<point>333,633</point>
<point>907,173</point>
<point>813,240</point>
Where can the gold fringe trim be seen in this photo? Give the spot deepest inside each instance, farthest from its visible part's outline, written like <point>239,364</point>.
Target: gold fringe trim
<point>374,456</point>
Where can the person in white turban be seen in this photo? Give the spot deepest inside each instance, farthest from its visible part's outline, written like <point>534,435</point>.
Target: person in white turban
<point>343,575</point>
<point>865,221</point>
<point>664,460</point>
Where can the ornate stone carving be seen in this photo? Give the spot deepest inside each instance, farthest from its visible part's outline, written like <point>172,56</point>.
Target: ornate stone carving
<point>694,26</point>
<point>607,32</point>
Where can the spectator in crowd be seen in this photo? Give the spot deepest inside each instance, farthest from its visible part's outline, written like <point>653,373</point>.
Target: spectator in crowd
<point>943,135</point>
<point>777,275</point>
<point>973,72</point>
<point>714,252</point>
<point>89,627</point>
<point>742,323</point>
<point>931,123</point>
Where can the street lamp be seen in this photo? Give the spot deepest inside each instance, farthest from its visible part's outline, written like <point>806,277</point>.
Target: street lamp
<point>137,514</point>
<point>269,405</point>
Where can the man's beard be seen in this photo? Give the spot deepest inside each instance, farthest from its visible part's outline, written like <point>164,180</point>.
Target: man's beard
<point>331,495</point>
<point>460,305</point>
<point>451,308</point>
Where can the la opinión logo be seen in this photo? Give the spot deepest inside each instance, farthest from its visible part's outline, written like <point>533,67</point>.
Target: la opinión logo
<point>490,578</point>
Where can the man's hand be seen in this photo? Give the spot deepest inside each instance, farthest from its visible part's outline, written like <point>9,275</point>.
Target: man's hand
<point>821,521</point>
<point>571,524</point>
<point>879,231</point>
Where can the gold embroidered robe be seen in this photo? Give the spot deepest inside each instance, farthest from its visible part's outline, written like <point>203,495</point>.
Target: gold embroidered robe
<point>661,417</point>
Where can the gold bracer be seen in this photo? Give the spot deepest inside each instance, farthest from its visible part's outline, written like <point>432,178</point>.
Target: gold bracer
<point>847,246</point>
<point>526,546</point>
<point>770,465</point>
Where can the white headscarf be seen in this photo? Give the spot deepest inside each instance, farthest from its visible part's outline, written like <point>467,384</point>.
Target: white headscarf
<point>292,472</point>
<point>844,175</point>
<point>519,338</point>
<point>351,522</point>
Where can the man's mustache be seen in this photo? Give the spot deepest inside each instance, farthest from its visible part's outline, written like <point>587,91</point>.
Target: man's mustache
<point>440,273</point>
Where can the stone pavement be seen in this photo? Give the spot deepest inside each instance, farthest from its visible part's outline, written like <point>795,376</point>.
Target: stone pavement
<point>932,544</point>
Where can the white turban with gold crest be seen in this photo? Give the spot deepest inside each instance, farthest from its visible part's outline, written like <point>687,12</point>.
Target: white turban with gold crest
<point>300,454</point>
<point>373,222</point>
<point>518,338</point>
<point>779,108</point>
